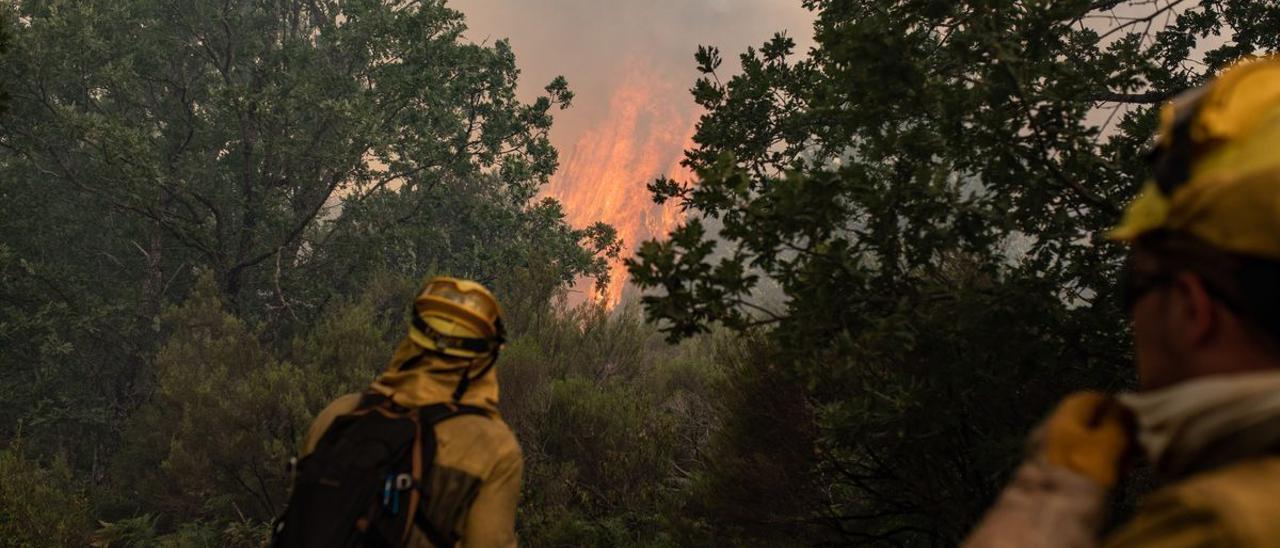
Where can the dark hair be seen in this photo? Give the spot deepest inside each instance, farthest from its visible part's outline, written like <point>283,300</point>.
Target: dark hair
<point>1245,284</point>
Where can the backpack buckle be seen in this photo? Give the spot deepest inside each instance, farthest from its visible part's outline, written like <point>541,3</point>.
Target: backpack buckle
<point>404,482</point>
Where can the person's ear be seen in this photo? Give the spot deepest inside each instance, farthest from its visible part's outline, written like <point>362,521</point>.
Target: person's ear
<point>1194,310</point>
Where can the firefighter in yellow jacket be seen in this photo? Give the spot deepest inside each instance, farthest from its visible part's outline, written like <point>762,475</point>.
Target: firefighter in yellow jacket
<point>448,357</point>
<point>1202,287</point>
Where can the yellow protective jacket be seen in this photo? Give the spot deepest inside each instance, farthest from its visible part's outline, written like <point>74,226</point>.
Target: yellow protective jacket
<point>1217,442</point>
<point>1237,505</point>
<point>475,479</point>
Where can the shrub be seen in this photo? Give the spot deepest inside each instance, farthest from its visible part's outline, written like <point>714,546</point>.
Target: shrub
<point>40,504</point>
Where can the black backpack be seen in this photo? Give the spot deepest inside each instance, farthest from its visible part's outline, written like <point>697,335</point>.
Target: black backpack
<point>365,482</point>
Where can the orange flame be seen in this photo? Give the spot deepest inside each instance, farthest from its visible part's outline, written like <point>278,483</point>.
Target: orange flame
<point>643,136</point>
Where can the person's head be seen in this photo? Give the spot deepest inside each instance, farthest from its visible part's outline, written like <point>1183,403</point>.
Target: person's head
<point>455,322</point>
<point>1202,283</point>
<point>449,353</point>
<point>1198,310</point>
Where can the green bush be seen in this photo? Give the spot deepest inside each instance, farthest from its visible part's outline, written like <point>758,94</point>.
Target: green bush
<point>140,532</point>
<point>40,504</point>
<point>612,422</point>
<point>228,410</point>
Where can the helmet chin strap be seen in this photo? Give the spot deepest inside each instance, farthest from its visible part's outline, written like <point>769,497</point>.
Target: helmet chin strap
<point>493,345</point>
<point>498,340</point>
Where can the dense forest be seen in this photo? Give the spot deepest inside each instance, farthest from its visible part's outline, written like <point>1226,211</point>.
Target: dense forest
<point>213,215</point>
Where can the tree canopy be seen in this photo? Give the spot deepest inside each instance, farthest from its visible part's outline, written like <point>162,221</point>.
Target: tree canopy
<point>929,187</point>
<point>213,215</point>
<point>291,151</point>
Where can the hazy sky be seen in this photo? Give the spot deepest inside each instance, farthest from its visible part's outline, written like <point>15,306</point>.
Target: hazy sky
<point>592,42</point>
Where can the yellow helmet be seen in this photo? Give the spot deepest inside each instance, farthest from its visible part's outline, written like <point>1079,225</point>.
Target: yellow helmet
<point>1216,165</point>
<point>458,318</point>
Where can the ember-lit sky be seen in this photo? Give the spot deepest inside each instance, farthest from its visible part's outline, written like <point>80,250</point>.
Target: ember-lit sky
<point>630,64</point>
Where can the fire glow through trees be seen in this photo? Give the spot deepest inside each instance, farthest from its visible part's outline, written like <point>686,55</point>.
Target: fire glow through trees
<point>603,174</point>
<point>630,65</point>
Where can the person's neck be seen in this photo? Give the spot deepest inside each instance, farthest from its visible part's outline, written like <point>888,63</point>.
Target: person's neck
<point>1230,361</point>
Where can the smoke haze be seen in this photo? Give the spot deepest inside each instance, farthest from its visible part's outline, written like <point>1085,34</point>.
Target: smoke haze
<point>630,64</point>
<point>591,41</point>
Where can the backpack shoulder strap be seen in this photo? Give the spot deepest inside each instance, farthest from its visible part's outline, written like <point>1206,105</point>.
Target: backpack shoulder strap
<point>424,452</point>
<point>472,410</point>
<point>434,414</point>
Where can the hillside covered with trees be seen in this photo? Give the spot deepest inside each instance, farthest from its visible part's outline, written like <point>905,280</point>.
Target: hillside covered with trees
<point>214,213</point>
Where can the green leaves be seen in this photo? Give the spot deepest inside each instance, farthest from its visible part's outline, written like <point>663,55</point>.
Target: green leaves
<point>558,92</point>
<point>708,59</point>
<point>926,191</point>
<point>209,208</point>
<point>238,136</point>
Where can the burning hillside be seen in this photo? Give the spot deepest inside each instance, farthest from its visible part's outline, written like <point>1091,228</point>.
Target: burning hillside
<point>603,174</point>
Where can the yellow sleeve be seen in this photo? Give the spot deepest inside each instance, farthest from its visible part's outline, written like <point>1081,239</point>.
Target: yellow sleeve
<point>1171,522</point>
<point>491,522</point>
